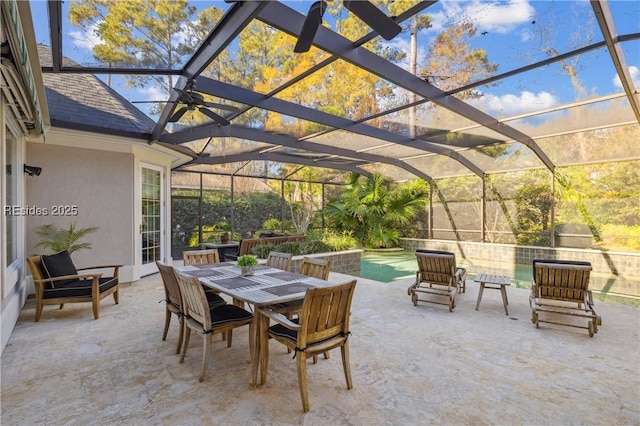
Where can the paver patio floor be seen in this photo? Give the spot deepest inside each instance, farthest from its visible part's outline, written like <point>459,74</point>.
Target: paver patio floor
<point>410,365</point>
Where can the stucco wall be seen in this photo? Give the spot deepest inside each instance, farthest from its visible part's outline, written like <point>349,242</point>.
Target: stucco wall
<point>99,183</point>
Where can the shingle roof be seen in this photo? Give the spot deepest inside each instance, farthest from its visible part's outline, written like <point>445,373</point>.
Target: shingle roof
<point>84,102</point>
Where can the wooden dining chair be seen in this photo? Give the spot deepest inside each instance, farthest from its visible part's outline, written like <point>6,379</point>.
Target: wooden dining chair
<point>311,267</point>
<point>173,300</point>
<point>322,325</point>
<point>318,268</point>
<point>200,257</point>
<point>279,260</point>
<point>205,320</point>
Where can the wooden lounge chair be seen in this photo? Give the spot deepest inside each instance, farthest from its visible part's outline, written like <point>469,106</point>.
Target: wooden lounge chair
<point>57,281</point>
<point>561,288</point>
<point>461,273</point>
<point>323,325</point>
<point>437,276</point>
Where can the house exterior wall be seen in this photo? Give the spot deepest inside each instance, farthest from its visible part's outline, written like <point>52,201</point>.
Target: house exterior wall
<point>100,175</point>
<point>87,187</point>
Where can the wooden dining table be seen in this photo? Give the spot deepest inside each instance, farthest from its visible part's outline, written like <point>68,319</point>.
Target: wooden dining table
<point>267,286</point>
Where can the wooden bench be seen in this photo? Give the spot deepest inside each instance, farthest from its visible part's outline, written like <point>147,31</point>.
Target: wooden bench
<point>250,243</point>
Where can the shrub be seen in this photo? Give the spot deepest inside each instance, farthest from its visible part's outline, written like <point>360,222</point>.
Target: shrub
<point>262,251</point>
<point>315,246</point>
<point>339,241</point>
<point>272,224</point>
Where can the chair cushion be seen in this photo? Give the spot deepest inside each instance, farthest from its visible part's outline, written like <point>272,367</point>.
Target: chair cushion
<point>79,288</point>
<point>282,331</point>
<point>226,314</point>
<point>214,299</point>
<point>58,265</point>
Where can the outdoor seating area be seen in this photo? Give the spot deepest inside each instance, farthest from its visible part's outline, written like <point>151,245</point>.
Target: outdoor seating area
<point>409,365</point>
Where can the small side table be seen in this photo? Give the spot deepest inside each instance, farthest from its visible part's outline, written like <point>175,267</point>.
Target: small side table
<point>495,282</point>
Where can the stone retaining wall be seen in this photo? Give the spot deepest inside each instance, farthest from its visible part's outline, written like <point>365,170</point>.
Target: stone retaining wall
<point>345,262</point>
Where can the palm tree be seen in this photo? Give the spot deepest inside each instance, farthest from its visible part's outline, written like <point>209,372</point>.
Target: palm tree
<point>374,210</point>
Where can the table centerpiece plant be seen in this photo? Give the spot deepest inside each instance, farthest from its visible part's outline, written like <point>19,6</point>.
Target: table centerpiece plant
<point>247,263</point>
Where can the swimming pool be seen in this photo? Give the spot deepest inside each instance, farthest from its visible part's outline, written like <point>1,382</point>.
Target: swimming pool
<point>391,266</point>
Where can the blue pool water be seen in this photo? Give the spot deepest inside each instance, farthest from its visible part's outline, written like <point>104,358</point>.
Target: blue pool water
<point>390,266</point>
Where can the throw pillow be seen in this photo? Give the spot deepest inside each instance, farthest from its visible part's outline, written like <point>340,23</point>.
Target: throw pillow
<point>58,265</point>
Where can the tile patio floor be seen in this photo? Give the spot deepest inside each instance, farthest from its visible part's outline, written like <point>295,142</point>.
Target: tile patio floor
<point>410,365</point>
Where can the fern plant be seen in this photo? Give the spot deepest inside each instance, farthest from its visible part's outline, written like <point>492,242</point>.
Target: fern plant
<point>57,239</point>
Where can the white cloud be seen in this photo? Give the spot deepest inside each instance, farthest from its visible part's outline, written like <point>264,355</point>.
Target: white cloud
<point>85,39</point>
<point>151,93</point>
<point>635,76</point>
<point>509,105</point>
<point>491,16</point>
<point>184,34</point>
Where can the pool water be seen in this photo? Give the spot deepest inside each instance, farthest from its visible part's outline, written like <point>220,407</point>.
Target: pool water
<point>391,266</point>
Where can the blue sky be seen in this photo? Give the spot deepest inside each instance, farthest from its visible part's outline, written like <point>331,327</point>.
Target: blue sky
<point>514,33</point>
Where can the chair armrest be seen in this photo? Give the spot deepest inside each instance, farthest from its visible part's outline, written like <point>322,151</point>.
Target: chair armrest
<point>280,319</point>
<point>68,277</point>
<point>115,267</point>
<point>99,267</point>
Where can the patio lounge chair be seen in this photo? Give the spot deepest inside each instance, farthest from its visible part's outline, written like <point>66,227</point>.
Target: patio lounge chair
<point>57,281</point>
<point>322,325</point>
<point>561,288</point>
<point>461,273</point>
<point>437,276</point>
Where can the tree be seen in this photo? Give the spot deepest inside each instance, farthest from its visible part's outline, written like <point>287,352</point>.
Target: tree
<point>375,210</point>
<point>416,24</point>
<point>143,32</point>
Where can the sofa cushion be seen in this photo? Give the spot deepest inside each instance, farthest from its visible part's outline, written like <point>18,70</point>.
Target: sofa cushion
<point>58,265</point>
<point>79,288</point>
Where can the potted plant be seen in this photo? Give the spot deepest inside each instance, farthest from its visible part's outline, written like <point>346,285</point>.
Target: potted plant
<point>226,227</point>
<point>57,238</point>
<point>247,263</point>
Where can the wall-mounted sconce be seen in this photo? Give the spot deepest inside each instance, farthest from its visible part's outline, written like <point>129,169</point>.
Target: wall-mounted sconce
<point>32,170</point>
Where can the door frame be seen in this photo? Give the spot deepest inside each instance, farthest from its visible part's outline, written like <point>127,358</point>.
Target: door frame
<point>151,268</point>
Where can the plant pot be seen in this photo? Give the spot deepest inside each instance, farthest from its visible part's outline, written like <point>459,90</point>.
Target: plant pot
<point>247,270</point>
<point>224,238</point>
